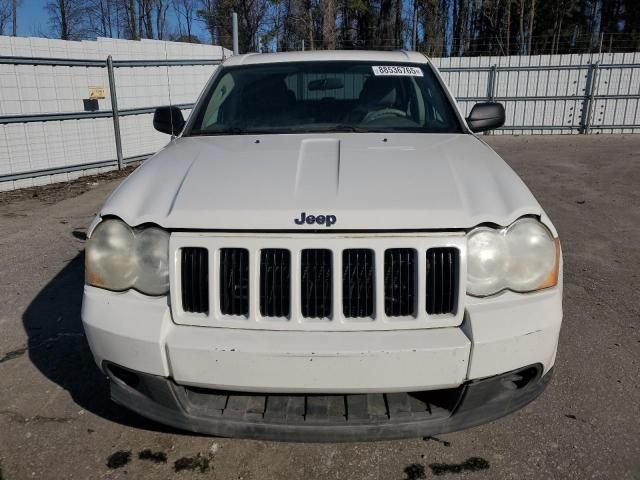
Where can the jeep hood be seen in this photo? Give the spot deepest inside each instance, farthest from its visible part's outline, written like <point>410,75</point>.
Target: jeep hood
<point>368,181</point>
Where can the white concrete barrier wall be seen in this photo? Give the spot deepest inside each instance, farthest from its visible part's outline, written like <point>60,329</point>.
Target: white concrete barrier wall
<point>28,90</point>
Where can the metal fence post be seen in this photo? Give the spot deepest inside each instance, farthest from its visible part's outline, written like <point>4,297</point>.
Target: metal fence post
<point>491,88</point>
<point>589,94</point>
<point>114,111</point>
<point>491,83</point>
<point>236,48</point>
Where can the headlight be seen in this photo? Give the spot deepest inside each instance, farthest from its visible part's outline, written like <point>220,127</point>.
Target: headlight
<point>522,257</point>
<point>119,258</point>
<point>152,259</point>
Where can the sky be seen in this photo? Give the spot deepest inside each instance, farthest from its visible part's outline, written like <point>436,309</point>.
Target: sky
<point>33,20</point>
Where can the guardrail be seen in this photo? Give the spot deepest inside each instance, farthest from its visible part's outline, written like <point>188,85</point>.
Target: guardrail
<point>110,65</point>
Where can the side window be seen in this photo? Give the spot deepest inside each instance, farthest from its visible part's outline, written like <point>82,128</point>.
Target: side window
<point>220,94</point>
<point>418,105</point>
<point>434,107</point>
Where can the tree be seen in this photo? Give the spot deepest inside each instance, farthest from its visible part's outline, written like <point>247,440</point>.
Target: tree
<point>68,18</point>
<point>206,13</point>
<point>632,22</point>
<point>329,10</point>
<point>443,27</point>
<point>253,21</point>
<point>185,13</point>
<point>102,21</point>
<point>145,18</point>
<point>532,14</point>
<point>5,14</point>
<point>160,8</point>
<point>129,18</point>
<point>433,17</point>
<point>14,16</point>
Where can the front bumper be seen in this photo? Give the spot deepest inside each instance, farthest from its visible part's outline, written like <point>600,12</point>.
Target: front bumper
<point>324,386</point>
<point>327,418</point>
<point>497,335</point>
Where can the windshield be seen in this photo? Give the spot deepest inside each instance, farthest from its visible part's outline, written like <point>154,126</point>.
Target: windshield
<point>325,97</point>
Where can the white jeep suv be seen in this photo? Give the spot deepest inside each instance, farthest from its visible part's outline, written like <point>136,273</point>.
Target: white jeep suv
<point>326,252</point>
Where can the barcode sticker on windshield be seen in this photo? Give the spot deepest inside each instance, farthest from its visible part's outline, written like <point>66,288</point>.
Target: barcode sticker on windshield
<point>396,70</point>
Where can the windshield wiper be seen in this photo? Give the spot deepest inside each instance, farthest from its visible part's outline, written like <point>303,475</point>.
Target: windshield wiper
<point>222,131</point>
<point>283,130</point>
<point>344,128</point>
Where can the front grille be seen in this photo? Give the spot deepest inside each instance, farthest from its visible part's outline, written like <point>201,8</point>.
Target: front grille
<point>195,279</point>
<point>400,282</point>
<point>355,283</point>
<point>275,282</point>
<point>358,279</point>
<point>442,280</point>
<point>234,281</point>
<point>315,283</point>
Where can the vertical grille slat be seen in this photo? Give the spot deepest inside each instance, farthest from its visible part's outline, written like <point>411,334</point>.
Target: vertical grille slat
<point>275,283</point>
<point>358,285</point>
<point>442,280</point>
<point>400,274</point>
<point>234,281</point>
<point>440,287</point>
<point>453,279</point>
<point>194,282</point>
<point>195,279</point>
<point>315,283</point>
<point>203,279</point>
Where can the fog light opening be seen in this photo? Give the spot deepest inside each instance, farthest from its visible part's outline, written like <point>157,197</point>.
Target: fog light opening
<point>128,377</point>
<point>519,380</point>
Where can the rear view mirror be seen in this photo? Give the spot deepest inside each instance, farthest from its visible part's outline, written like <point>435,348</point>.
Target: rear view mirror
<point>168,120</point>
<point>325,84</point>
<point>486,116</point>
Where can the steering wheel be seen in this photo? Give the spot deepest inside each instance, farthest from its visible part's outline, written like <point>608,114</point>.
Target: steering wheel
<point>385,112</point>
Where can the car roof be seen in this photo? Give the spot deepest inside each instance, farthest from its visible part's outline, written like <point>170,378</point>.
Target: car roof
<point>327,55</point>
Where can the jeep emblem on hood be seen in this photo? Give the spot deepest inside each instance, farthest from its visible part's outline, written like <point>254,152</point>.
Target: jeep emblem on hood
<point>326,220</point>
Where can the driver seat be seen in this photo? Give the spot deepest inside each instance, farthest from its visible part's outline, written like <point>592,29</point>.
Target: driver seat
<point>377,93</point>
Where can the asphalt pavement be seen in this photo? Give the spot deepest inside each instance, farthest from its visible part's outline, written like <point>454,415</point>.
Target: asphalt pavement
<point>57,422</point>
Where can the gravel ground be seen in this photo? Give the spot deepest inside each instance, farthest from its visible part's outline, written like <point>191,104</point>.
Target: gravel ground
<point>56,420</point>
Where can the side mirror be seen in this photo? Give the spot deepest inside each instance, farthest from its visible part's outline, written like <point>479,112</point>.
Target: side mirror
<point>486,116</point>
<point>168,120</point>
